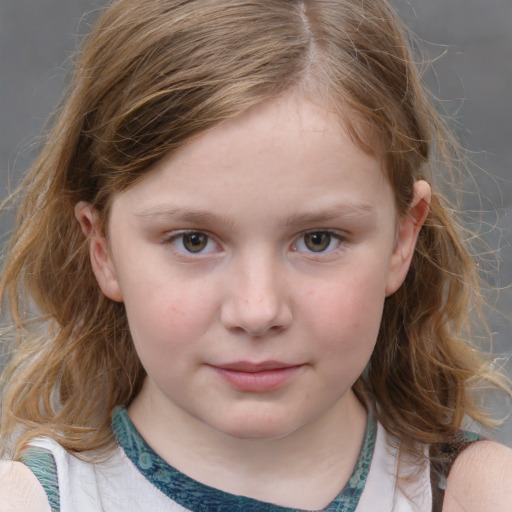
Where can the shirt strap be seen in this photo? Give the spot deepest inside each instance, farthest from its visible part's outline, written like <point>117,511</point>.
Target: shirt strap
<point>42,463</point>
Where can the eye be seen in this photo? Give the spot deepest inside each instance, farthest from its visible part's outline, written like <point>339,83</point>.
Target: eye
<point>318,242</point>
<point>193,242</point>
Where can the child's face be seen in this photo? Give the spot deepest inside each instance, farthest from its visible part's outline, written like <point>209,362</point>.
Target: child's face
<point>254,266</point>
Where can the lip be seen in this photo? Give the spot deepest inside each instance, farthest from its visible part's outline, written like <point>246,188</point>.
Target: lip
<point>256,377</point>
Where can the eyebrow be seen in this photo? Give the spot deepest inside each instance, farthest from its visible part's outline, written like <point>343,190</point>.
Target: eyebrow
<point>345,210</point>
<point>183,214</point>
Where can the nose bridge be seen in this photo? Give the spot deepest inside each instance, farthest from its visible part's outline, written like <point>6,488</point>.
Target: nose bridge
<point>257,299</point>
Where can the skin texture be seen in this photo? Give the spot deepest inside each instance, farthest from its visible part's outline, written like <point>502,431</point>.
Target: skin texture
<point>480,480</point>
<point>20,490</point>
<point>256,189</point>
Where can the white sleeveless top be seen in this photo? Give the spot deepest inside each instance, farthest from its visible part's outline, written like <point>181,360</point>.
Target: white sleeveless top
<point>136,479</point>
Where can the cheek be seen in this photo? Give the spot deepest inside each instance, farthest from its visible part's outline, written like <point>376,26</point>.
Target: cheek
<point>168,334</point>
<point>347,311</point>
<point>166,315</point>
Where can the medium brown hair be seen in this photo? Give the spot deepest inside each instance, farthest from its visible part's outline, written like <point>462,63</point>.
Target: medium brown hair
<point>154,75</point>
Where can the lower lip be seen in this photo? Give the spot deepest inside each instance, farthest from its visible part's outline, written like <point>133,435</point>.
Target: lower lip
<point>266,380</point>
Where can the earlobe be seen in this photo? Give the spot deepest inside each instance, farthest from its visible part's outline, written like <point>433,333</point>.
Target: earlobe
<point>407,235</point>
<point>99,254</point>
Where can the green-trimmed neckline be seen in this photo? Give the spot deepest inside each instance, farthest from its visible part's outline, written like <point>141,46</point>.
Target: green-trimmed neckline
<point>198,497</point>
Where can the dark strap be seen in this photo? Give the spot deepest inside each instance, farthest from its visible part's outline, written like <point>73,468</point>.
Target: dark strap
<point>42,463</point>
<point>442,458</point>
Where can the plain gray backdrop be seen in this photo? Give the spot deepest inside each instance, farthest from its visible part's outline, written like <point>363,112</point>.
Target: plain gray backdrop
<point>470,42</point>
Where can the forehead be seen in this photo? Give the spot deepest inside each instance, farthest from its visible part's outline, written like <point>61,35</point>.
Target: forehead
<point>283,153</point>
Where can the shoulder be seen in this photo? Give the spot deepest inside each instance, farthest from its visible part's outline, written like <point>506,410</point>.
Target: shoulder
<point>480,479</point>
<point>20,490</point>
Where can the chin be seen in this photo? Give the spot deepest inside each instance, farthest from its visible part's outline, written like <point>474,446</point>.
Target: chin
<point>255,428</point>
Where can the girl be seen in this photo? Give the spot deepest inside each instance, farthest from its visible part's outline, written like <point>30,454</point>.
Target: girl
<point>250,294</point>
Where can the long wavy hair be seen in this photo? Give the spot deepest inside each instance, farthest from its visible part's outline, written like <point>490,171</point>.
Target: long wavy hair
<point>151,77</point>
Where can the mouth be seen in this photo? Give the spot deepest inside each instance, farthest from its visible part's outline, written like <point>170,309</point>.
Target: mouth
<point>256,377</point>
<point>249,367</point>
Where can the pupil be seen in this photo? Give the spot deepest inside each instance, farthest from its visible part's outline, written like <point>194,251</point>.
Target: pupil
<point>317,242</point>
<point>195,242</point>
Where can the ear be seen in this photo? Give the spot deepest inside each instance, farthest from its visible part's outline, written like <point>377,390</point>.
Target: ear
<point>99,254</point>
<point>407,234</point>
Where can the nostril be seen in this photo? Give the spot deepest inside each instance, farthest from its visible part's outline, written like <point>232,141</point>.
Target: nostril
<point>256,318</point>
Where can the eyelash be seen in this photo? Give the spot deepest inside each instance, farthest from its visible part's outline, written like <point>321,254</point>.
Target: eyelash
<point>178,241</point>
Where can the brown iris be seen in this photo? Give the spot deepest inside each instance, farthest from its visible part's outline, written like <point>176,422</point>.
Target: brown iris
<point>195,242</point>
<point>317,241</point>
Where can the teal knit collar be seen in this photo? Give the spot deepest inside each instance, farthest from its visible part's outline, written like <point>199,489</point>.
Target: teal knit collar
<point>198,497</point>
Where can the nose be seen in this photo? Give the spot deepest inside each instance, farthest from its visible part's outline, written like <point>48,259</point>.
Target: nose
<point>257,299</point>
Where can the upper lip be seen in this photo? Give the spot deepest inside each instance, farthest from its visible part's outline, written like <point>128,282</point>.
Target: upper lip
<point>252,367</point>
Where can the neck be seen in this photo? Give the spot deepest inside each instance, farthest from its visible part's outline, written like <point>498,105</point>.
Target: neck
<point>305,469</point>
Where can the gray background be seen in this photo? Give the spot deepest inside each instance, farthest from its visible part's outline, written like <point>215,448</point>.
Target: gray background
<point>470,42</point>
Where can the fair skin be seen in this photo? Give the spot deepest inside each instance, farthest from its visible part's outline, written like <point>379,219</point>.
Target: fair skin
<point>253,266</point>
<point>480,480</point>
